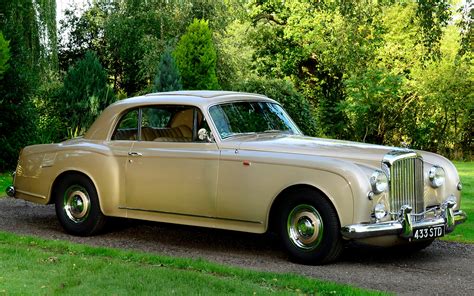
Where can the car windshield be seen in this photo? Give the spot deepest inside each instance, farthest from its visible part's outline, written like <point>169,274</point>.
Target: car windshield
<point>243,118</point>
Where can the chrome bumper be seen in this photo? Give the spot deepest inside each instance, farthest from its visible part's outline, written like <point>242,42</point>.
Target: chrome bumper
<point>405,225</point>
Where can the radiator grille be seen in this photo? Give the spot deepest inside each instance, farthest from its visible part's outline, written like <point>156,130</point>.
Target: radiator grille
<point>406,184</point>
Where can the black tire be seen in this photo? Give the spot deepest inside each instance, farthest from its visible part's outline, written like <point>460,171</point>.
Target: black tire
<point>77,206</point>
<point>309,228</point>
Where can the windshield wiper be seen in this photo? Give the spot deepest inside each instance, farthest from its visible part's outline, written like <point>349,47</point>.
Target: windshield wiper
<point>274,131</point>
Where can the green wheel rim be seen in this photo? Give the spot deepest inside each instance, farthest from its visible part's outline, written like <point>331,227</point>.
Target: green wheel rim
<point>305,227</point>
<point>76,203</point>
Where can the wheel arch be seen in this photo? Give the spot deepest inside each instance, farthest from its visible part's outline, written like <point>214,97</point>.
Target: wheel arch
<point>280,198</point>
<point>63,175</point>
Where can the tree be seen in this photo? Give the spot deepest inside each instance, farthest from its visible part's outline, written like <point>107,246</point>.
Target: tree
<point>4,54</point>
<point>85,94</point>
<point>167,77</point>
<point>196,57</point>
<point>373,105</point>
<point>19,24</point>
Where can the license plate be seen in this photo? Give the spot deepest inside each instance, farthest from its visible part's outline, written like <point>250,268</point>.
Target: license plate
<point>428,232</point>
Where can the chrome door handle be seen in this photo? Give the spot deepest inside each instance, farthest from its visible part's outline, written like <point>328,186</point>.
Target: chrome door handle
<point>134,154</point>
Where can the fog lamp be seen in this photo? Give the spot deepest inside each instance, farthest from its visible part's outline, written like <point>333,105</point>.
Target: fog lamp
<point>380,211</point>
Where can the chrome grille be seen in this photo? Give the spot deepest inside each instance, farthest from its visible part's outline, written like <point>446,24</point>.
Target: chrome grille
<point>406,182</point>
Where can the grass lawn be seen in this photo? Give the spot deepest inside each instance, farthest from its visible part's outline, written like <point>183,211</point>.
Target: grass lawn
<point>5,180</point>
<point>465,231</point>
<point>37,266</point>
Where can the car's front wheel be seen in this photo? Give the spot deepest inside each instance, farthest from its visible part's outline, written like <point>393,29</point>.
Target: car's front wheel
<point>309,228</point>
<point>77,206</point>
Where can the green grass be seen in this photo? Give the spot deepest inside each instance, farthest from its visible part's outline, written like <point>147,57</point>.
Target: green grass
<point>465,232</point>
<point>5,180</point>
<point>36,266</point>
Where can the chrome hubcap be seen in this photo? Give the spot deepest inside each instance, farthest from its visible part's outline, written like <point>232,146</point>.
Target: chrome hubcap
<point>305,227</point>
<point>76,203</point>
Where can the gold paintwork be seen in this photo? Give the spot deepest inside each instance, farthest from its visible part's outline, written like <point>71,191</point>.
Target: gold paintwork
<point>229,184</point>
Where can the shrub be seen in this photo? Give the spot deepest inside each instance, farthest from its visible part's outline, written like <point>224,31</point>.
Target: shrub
<point>85,94</point>
<point>196,57</point>
<point>167,77</point>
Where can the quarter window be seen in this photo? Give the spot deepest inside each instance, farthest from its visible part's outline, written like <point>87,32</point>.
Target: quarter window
<point>127,128</point>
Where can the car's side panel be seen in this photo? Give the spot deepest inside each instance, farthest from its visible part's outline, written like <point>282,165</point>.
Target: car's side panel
<point>249,181</point>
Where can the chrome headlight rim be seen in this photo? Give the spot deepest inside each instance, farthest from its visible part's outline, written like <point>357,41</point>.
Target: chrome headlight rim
<point>436,176</point>
<point>379,181</point>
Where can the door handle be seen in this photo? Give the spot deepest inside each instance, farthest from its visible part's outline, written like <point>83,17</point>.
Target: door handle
<point>134,154</point>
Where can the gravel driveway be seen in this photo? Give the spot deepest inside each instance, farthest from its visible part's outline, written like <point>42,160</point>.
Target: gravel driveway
<point>443,268</point>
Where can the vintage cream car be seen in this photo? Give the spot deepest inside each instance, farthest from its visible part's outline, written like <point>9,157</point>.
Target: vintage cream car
<point>237,161</point>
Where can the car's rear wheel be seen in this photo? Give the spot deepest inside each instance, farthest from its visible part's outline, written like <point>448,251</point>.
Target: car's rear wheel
<point>77,206</point>
<point>309,228</point>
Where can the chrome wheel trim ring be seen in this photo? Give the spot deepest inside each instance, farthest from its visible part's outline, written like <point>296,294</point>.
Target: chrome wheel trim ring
<point>77,203</point>
<point>305,227</point>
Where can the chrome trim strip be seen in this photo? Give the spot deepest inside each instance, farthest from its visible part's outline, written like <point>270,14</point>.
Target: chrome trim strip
<point>188,215</point>
<point>358,231</point>
<point>30,194</point>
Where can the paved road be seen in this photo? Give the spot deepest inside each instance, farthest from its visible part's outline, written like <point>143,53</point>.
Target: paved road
<point>442,269</point>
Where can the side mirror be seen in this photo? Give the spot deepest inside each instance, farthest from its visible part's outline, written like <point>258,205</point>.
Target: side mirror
<point>204,135</point>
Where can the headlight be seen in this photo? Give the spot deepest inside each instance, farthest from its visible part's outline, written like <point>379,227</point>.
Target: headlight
<point>379,211</point>
<point>379,182</point>
<point>436,176</point>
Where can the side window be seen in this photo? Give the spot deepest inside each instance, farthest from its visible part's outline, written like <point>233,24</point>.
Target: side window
<point>170,123</point>
<point>127,128</point>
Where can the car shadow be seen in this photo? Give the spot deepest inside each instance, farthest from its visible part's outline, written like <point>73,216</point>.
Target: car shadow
<point>266,246</point>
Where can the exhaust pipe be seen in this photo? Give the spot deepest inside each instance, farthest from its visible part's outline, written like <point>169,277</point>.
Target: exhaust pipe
<point>11,191</point>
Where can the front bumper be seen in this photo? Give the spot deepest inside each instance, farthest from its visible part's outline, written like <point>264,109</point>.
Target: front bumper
<point>405,225</point>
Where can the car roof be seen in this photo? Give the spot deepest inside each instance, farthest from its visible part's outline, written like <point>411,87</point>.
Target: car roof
<point>200,98</point>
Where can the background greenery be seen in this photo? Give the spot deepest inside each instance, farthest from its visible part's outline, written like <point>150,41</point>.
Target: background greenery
<point>384,72</point>
<point>465,231</point>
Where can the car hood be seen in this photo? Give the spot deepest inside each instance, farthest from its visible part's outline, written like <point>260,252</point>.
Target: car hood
<point>362,153</point>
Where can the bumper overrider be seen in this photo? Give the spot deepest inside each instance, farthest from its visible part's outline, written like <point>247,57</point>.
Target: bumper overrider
<point>405,225</point>
<point>10,191</point>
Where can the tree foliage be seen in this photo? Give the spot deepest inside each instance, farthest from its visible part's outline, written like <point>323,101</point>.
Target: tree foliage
<point>31,52</point>
<point>196,57</point>
<point>4,54</point>
<point>283,91</point>
<point>130,36</point>
<point>85,94</point>
<point>369,68</point>
<point>167,77</point>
